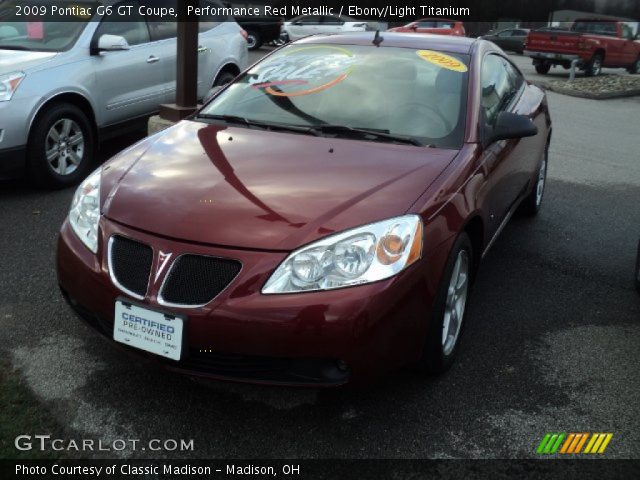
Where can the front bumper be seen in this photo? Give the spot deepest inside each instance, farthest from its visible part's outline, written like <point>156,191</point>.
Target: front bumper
<point>560,57</point>
<point>13,162</point>
<point>309,339</point>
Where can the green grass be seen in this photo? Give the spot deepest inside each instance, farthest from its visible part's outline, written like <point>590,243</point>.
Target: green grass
<point>22,414</point>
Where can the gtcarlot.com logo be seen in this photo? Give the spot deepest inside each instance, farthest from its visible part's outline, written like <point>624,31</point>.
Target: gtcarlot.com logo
<point>574,443</point>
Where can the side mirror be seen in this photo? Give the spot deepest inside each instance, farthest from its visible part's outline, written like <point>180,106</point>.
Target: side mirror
<point>414,26</point>
<point>298,23</point>
<point>112,43</point>
<point>511,125</point>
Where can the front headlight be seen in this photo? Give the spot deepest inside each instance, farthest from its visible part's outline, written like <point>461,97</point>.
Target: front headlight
<point>8,85</point>
<point>361,255</point>
<point>84,214</point>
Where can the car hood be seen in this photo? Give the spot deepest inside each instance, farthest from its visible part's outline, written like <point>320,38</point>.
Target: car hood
<point>246,188</point>
<point>20,60</point>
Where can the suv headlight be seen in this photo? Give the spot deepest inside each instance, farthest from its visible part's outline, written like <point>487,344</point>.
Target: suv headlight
<point>8,85</point>
<point>84,214</point>
<point>362,255</point>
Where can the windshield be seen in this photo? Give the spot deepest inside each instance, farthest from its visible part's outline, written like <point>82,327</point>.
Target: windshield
<point>31,25</point>
<point>419,94</point>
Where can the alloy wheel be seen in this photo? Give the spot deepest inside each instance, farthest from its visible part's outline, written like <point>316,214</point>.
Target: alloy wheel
<point>542,177</point>
<point>64,146</point>
<point>456,302</point>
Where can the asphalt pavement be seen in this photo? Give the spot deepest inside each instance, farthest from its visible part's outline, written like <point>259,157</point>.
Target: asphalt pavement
<point>552,341</point>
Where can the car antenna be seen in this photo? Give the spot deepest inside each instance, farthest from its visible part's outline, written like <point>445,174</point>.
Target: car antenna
<point>377,40</point>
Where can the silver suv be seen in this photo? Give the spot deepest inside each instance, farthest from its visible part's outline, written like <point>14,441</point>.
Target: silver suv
<point>67,85</point>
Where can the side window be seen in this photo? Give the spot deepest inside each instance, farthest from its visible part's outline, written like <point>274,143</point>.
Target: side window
<point>515,77</point>
<point>496,87</point>
<point>331,20</point>
<point>134,30</point>
<point>310,20</point>
<point>162,27</point>
<point>627,32</point>
<point>506,33</point>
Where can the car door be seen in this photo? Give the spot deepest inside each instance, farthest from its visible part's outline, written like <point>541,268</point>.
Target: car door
<point>213,41</point>
<point>164,33</point>
<point>331,24</point>
<point>501,159</point>
<point>129,82</point>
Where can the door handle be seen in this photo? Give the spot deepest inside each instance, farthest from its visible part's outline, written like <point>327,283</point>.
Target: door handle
<point>153,59</point>
<point>202,49</point>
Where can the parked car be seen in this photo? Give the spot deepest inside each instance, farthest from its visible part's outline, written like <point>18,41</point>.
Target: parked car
<point>305,25</point>
<point>593,43</point>
<point>439,26</point>
<point>290,234</point>
<point>511,39</point>
<point>260,29</point>
<point>66,86</point>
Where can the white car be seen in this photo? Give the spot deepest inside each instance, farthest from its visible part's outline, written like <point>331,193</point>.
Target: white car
<point>306,25</point>
<point>66,86</point>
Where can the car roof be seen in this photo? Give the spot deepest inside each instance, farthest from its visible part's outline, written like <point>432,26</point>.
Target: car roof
<point>418,41</point>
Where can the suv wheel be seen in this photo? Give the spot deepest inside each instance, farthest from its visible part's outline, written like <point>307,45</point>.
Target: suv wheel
<point>595,66</point>
<point>254,41</point>
<point>61,147</point>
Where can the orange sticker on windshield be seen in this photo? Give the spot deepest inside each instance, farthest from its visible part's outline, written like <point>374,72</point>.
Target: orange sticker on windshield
<point>442,60</point>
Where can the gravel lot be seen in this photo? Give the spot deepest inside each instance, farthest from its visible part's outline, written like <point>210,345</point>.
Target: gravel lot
<point>552,340</point>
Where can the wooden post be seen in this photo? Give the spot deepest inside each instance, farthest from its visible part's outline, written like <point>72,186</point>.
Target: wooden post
<point>187,66</point>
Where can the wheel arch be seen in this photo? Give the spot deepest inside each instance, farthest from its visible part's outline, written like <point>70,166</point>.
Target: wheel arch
<point>230,67</point>
<point>74,98</point>
<point>474,228</point>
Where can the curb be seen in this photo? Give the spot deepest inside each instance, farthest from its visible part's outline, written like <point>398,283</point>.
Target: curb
<point>592,96</point>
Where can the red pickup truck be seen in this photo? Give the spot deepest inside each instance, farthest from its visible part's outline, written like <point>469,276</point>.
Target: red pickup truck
<point>594,43</point>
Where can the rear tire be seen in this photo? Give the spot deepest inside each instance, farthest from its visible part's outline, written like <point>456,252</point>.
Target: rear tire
<point>254,40</point>
<point>223,78</point>
<point>594,68</point>
<point>447,320</point>
<point>635,68</point>
<point>543,68</point>
<point>61,147</point>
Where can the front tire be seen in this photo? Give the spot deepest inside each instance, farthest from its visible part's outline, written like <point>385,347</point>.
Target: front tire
<point>543,68</point>
<point>594,68</point>
<point>449,309</point>
<point>635,68</point>
<point>61,147</point>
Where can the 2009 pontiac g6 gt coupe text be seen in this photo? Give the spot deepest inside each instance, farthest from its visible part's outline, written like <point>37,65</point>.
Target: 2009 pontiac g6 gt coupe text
<point>320,220</point>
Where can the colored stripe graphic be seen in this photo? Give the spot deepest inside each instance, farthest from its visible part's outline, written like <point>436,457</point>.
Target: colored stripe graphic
<point>573,443</point>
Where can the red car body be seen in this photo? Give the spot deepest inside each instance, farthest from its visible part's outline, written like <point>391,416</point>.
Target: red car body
<point>611,43</point>
<point>438,26</point>
<point>196,189</point>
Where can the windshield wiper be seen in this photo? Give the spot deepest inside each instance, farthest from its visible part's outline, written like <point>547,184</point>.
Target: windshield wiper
<point>365,134</point>
<point>256,123</point>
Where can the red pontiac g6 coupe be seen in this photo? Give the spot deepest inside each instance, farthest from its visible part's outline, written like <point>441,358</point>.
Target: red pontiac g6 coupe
<point>319,220</point>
